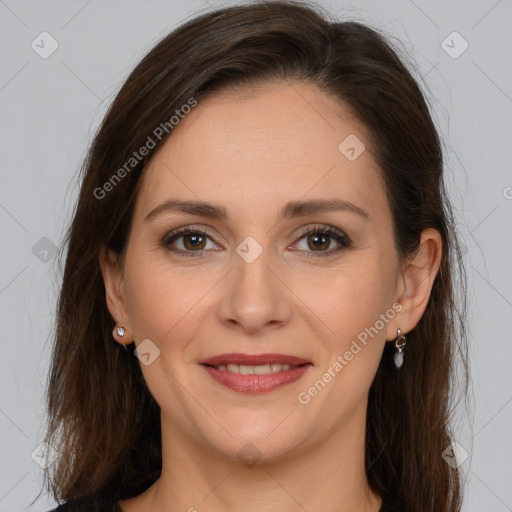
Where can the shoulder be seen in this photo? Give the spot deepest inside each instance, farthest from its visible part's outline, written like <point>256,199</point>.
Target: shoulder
<point>88,505</point>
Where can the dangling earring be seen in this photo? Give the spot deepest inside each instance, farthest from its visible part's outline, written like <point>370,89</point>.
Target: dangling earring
<point>120,332</point>
<point>399,344</point>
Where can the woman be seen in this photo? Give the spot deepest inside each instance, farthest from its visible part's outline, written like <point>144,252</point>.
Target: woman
<point>263,218</point>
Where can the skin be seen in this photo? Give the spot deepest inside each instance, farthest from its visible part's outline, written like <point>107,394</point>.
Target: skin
<point>251,152</point>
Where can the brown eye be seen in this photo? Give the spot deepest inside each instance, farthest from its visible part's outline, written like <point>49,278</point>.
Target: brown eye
<point>188,241</point>
<point>319,240</point>
<point>194,241</point>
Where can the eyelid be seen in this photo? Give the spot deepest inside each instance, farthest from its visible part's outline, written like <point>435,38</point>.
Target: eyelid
<point>323,228</point>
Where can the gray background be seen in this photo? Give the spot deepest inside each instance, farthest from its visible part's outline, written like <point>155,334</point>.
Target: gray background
<point>49,109</point>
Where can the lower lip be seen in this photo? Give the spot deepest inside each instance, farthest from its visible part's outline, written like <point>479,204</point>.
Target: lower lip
<point>254,384</point>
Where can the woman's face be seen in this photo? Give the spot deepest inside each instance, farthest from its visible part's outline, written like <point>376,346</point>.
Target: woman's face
<point>249,279</point>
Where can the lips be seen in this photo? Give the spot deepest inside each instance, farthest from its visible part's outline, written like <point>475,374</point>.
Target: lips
<point>255,374</point>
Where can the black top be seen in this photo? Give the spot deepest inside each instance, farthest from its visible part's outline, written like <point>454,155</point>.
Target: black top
<point>110,505</point>
<point>89,505</point>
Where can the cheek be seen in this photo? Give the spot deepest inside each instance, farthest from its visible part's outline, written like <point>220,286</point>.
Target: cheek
<point>350,305</point>
<point>161,298</point>
<point>351,302</point>
<point>348,298</point>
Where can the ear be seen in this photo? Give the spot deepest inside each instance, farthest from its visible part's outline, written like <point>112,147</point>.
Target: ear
<point>113,278</point>
<point>415,283</point>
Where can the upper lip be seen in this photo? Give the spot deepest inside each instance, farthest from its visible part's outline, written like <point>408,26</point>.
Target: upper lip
<point>254,359</point>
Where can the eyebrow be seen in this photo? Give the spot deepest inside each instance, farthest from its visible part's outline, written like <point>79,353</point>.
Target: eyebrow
<point>291,209</point>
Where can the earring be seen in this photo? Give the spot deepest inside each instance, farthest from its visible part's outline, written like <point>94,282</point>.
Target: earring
<point>399,344</point>
<point>120,332</point>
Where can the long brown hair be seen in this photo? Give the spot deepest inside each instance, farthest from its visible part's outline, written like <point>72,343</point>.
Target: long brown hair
<point>101,416</point>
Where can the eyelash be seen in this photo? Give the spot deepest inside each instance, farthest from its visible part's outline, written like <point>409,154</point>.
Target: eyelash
<point>322,229</point>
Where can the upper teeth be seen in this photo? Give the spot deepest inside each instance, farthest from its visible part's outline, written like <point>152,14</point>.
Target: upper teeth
<point>258,370</point>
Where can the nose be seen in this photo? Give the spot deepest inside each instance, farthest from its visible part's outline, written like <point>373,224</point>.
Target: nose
<point>255,297</point>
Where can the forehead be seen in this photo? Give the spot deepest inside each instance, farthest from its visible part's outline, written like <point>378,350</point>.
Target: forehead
<point>264,145</point>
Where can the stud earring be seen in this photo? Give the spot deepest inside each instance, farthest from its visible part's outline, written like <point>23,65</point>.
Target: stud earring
<point>399,344</point>
<point>120,332</point>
